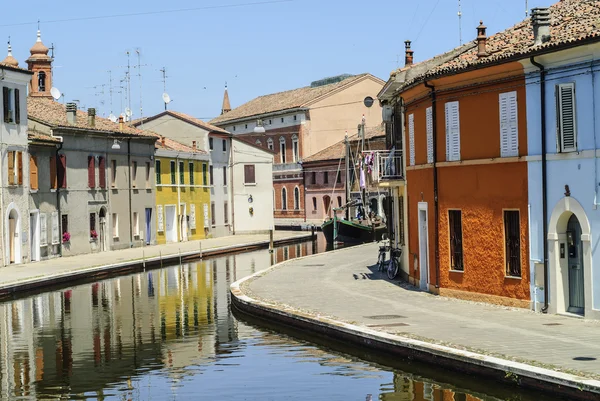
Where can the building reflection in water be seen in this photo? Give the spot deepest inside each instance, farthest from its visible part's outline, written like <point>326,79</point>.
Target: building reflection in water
<point>92,338</point>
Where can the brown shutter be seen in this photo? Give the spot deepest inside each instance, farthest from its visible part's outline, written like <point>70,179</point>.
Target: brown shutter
<point>91,172</point>
<point>20,167</point>
<point>17,107</point>
<point>5,103</point>
<point>11,168</point>
<point>62,171</point>
<point>53,172</point>
<point>102,172</point>
<point>33,172</point>
<point>249,176</point>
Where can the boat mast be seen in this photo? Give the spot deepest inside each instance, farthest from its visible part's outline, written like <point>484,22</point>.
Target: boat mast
<point>348,183</point>
<point>361,128</point>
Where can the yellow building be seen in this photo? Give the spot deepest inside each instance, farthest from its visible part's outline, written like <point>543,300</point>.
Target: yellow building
<point>182,192</point>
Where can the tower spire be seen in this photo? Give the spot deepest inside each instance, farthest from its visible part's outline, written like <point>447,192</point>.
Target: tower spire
<point>41,65</point>
<point>226,105</point>
<point>10,60</point>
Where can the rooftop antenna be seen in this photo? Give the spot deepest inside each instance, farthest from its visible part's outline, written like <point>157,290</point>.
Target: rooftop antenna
<point>459,23</point>
<point>140,77</point>
<point>128,80</point>
<point>526,9</point>
<point>55,93</point>
<point>165,96</point>
<point>110,90</point>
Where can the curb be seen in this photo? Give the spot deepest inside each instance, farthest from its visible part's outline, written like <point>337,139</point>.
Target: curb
<point>510,372</point>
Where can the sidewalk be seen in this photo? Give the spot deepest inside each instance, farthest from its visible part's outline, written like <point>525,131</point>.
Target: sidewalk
<point>343,294</point>
<point>53,271</point>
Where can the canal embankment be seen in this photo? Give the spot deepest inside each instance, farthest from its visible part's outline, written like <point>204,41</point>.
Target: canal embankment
<point>342,295</point>
<point>16,279</point>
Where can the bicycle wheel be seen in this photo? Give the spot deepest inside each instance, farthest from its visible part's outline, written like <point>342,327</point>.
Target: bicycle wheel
<point>381,261</point>
<point>392,269</point>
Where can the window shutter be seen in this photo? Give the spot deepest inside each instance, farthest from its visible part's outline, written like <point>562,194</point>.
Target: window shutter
<point>91,172</point>
<point>11,168</point>
<point>53,172</point>
<point>43,230</point>
<point>411,138</point>
<point>452,132</point>
<point>62,173</point>
<point>5,102</point>
<point>102,172</point>
<point>33,172</point>
<point>192,216</point>
<point>429,123</point>
<point>159,218</point>
<point>509,135</point>
<point>17,107</point>
<point>55,230</point>
<point>20,167</point>
<point>249,176</point>
<point>566,116</point>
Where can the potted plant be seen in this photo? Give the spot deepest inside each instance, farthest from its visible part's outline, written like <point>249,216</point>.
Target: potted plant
<point>93,234</point>
<point>66,237</point>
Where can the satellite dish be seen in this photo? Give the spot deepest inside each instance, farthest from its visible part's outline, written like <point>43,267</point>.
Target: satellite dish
<point>166,98</point>
<point>128,112</point>
<point>55,93</point>
<point>112,118</point>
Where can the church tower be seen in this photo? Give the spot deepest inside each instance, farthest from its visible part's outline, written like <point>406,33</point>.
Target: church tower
<point>10,60</point>
<point>226,105</point>
<point>41,65</point>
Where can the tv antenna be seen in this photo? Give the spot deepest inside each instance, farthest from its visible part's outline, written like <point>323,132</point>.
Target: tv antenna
<point>110,90</point>
<point>165,96</point>
<point>459,23</point>
<point>526,9</point>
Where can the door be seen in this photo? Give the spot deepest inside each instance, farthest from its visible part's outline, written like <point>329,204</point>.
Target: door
<point>171,217</point>
<point>12,226</point>
<point>576,282</point>
<point>102,229</point>
<point>183,222</point>
<point>148,225</point>
<point>423,247</point>
<point>34,236</point>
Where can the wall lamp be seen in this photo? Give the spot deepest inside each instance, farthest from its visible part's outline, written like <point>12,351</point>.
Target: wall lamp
<point>115,145</point>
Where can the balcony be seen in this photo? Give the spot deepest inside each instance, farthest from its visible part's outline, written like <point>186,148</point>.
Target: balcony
<point>287,167</point>
<point>388,168</point>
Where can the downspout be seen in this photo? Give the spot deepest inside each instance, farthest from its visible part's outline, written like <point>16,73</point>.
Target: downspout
<point>231,166</point>
<point>435,183</point>
<point>178,184</point>
<point>57,161</point>
<point>4,237</point>
<point>129,192</point>
<point>595,140</point>
<point>544,178</point>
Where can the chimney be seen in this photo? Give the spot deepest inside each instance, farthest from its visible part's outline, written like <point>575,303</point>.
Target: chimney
<point>481,41</point>
<point>540,20</point>
<point>71,113</point>
<point>121,123</point>
<point>162,140</point>
<point>408,58</point>
<point>92,117</point>
<point>194,145</point>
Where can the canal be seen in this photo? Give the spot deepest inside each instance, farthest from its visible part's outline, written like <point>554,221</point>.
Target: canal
<point>169,334</point>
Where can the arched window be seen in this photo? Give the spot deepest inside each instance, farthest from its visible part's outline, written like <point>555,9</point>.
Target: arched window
<point>339,201</point>
<point>327,205</point>
<point>295,150</point>
<point>258,142</point>
<point>282,149</point>
<point>297,198</point>
<point>283,199</point>
<point>270,143</point>
<point>41,81</point>
<point>314,200</point>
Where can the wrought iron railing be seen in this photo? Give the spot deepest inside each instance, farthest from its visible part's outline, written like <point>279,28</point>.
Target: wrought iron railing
<point>387,165</point>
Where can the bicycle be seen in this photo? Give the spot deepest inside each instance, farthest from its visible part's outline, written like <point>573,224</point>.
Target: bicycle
<point>394,263</point>
<point>381,258</point>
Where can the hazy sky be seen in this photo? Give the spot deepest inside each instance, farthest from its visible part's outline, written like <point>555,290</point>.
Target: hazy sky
<point>257,47</point>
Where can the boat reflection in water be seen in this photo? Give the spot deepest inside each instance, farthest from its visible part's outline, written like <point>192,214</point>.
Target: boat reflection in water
<point>169,333</point>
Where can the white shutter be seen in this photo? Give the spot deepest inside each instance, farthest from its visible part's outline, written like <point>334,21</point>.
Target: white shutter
<point>452,132</point>
<point>429,124</point>
<point>509,131</point>
<point>192,216</point>
<point>55,231</point>
<point>160,218</point>
<point>411,137</point>
<point>206,217</point>
<point>566,118</point>
<point>43,230</point>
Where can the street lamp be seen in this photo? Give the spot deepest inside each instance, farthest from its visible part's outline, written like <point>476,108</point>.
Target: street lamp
<point>259,129</point>
<point>115,145</point>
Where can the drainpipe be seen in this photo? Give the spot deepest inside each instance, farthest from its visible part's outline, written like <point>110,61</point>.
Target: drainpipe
<point>129,192</point>
<point>231,166</point>
<point>57,161</point>
<point>544,178</point>
<point>435,183</point>
<point>178,183</point>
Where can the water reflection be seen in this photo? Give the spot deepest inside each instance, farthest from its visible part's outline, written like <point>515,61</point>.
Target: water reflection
<point>169,333</point>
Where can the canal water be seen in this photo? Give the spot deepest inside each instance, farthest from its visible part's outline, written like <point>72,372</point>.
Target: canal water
<point>169,334</point>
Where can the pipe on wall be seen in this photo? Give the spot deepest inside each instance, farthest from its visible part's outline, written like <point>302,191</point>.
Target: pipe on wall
<point>129,192</point>
<point>57,161</point>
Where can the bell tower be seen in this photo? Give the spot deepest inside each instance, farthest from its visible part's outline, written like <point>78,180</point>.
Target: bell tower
<point>41,65</point>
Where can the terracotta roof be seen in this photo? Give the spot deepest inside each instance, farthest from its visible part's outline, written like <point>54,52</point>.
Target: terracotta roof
<point>34,135</point>
<point>287,100</point>
<point>226,105</point>
<point>182,116</point>
<point>336,151</point>
<point>177,146</point>
<point>53,113</point>
<point>571,21</point>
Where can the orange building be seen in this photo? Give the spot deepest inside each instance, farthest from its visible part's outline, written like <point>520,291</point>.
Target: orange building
<point>465,140</point>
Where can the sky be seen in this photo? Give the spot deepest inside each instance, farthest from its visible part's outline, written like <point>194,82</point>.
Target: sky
<point>257,47</point>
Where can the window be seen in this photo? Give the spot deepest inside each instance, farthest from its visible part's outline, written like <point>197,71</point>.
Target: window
<point>283,199</point>
<point>281,119</point>
<point>210,173</point>
<point>91,172</point>
<point>258,143</point>
<point>294,118</point>
<point>53,180</point>
<point>43,229</point>
<point>456,249</point>
<point>314,202</point>
<point>101,172</point>
<point>296,198</point>
<point>134,174</point>
<point>249,177</point>
<point>173,172</point>
<point>452,132</point>
<point>41,81</point>
<point>136,224</point>
<point>512,243</point>
<point>411,138</point>
<point>62,171</point>
<point>15,168</point>
<point>429,127</point>
<point>65,223</point>
<point>234,127</point>
<point>147,174</point>
<point>224,145</point>
<point>113,173</point>
<point>210,143</point>
<point>115,225</point>
<point>157,171</point>
<point>270,122</point>
<point>191,172</point>
<point>246,126</point>
<point>295,150</point>
<point>225,212</point>
<point>33,172</point>
<point>282,149</point>
<point>7,100</point>
<point>338,177</point>
<point>225,176</point>
<point>339,199</point>
<point>509,133</point>
<point>204,178</point>
<point>313,178</point>
<point>17,107</point>
<point>567,123</point>
<point>212,213</point>
<point>270,144</point>
<point>181,173</point>
<point>326,177</point>
<point>93,225</point>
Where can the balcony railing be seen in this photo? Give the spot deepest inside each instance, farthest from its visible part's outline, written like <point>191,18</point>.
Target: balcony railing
<point>387,165</point>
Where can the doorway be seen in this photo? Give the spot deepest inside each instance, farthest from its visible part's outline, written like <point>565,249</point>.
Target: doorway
<point>423,247</point>
<point>34,235</point>
<point>183,222</point>
<point>13,243</point>
<point>326,206</point>
<point>171,217</point>
<point>148,225</point>
<point>575,266</point>
<point>102,229</point>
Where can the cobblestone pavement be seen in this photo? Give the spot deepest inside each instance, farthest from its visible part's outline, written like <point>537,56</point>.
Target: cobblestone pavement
<point>13,274</point>
<point>345,285</point>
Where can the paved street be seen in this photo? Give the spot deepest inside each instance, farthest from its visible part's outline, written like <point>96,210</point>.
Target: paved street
<point>13,274</point>
<point>345,285</point>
